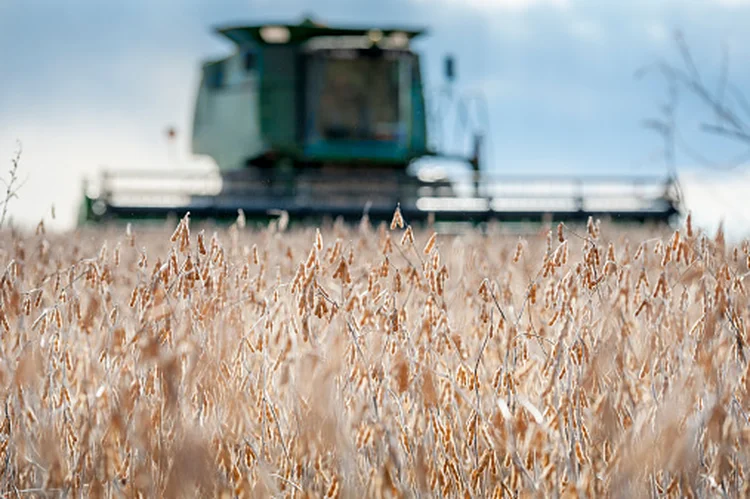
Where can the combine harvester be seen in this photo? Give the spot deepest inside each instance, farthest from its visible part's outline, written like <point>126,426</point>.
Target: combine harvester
<point>320,121</point>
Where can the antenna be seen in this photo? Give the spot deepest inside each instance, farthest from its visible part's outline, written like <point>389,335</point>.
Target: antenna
<point>171,134</point>
<point>450,69</point>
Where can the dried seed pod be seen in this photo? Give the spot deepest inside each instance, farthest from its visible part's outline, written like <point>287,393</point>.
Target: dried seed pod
<point>408,237</point>
<point>201,244</point>
<point>532,293</point>
<point>342,272</point>
<point>591,228</point>
<point>401,373</point>
<point>241,220</point>
<point>397,221</point>
<point>430,244</point>
<point>177,232</point>
<point>4,321</point>
<point>133,298</point>
<point>387,245</point>
<point>519,251</point>
<point>484,290</point>
<point>318,240</point>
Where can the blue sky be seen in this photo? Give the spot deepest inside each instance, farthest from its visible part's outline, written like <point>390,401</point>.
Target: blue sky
<point>87,83</point>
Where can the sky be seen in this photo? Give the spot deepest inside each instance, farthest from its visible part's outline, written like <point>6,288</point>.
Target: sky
<point>87,84</point>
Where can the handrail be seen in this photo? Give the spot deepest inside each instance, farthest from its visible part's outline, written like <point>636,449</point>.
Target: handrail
<point>353,173</point>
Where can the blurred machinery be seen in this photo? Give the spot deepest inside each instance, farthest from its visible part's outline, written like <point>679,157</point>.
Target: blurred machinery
<point>320,121</point>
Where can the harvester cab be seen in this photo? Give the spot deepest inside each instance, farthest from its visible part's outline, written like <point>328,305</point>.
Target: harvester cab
<point>318,121</point>
<point>311,118</point>
<point>312,95</point>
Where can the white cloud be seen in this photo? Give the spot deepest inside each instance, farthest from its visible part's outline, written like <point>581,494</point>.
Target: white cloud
<point>733,3</point>
<point>57,154</point>
<point>714,199</point>
<point>508,5</point>
<point>656,31</point>
<point>586,30</point>
<point>80,126</point>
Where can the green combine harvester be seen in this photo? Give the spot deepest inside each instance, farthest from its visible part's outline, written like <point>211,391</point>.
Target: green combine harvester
<point>318,121</point>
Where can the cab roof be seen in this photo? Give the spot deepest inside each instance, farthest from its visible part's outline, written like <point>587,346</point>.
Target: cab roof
<point>306,30</point>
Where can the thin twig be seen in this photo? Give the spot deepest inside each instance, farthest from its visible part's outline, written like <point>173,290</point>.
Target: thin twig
<point>11,185</point>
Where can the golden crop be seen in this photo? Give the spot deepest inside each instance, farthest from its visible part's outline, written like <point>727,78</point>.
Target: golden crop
<point>361,361</point>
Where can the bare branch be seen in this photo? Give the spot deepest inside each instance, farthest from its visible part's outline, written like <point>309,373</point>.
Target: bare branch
<point>722,104</point>
<point>687,57</point>
<point>740,98</point>
<point>11,185</point>
<point>656,125</point>
<point>723,76</point>
<point>732,164</point>
<point>692,81</point>
<point>720,130</point>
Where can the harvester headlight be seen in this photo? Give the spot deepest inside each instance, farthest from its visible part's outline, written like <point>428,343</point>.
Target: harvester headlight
<point>375,35</point>
<point>275,34</point>
<point>398,40</point>
<point>99,208</point>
